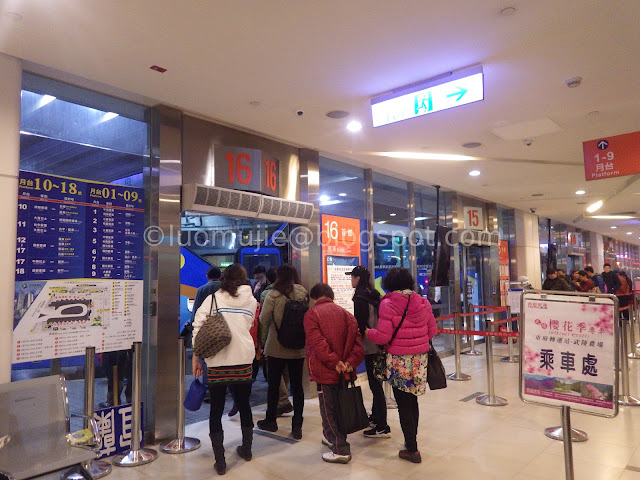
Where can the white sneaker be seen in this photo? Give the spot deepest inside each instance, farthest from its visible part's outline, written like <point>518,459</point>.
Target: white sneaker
<point>335,458</point>
<point>326,442</point>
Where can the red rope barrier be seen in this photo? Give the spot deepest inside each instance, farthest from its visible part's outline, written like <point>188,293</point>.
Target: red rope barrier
<point>506,320</point>
<point>478,332</point>
<point>624,308</point>
<point>446,317</point>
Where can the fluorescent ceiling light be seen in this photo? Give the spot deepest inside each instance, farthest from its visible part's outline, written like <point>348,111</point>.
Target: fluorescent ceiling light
<point>108,116</point>
<point>354,126</point>
<point>342,194</point>
<point>426,156</point>
<point>595,206</point>
<point>392,214</point>
<point>614,226</point>
<point>613,217</point>
<point>474,173</point>
<point>46,100</point>
<point>629,233</point>
<point>580,192</point>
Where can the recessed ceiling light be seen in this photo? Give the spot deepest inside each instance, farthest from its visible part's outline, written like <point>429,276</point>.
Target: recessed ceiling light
<point>580,192</point>
<point>337,114</point>
<point>324,198</point>
<point>342,194</point>
<point>508,11</point>
<point>595,206</point>
<point>613,226</point>
<point>354,126</point>
<point>629,233</point>
<point>474,173</point>
<point>392,214</point>
<point>471,144</point>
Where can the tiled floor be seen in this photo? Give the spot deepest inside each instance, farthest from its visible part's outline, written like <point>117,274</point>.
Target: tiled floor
<point>458,440</point>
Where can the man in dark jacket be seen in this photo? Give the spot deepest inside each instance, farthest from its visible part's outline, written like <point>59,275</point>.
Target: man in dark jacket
<point>555,282</point>
<point>333,349</point>
<point>595,278</point>
<point>611,280</point>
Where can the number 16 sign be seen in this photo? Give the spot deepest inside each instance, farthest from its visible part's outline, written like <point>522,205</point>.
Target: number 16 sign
<point>247,169</point>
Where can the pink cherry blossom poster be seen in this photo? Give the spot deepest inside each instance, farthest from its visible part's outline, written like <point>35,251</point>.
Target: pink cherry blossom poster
<point>569,352</point>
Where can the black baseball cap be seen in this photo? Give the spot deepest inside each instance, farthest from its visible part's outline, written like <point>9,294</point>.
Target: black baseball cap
<point>359,271</point>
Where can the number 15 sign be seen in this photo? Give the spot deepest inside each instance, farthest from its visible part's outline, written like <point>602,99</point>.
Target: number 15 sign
<point>473,218</point>
<point>247,169</point>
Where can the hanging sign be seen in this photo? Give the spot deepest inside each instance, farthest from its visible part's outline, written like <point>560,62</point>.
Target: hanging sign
<point>570,351</point>
<point>247,169</point>
<point>615,156</point>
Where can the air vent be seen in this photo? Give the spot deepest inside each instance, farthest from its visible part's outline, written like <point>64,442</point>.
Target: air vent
<point>223,201</point>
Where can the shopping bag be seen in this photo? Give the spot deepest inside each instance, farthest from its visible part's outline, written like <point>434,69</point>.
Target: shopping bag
<point>350,412</point>
<point>195,395</point>
<point>436,376</point>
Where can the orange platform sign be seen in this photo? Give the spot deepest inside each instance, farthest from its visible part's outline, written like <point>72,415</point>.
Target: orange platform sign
<point>609,157</point>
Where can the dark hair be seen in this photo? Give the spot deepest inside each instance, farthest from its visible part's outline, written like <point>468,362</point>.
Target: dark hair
<point>582,273</point>
<point>398,278</point>
<point>234,276</point>
<point>551,271</point>
<point>286,278</point>
<point>259,269</point>
<point>605,265</point>
<point>214,273</point>
<point>321,290</point>
<point>589,269</point>
<point>558,270</point>
<point>271,274</point>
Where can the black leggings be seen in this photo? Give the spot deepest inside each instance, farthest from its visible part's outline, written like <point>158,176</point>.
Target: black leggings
<point>275,367</point>
<point>241,393</point>
<point>409,415</point>
<point>379,409</point>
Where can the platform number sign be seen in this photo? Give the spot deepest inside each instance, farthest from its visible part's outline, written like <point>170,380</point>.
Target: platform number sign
<point>474,218</point>
<point>246,169</point>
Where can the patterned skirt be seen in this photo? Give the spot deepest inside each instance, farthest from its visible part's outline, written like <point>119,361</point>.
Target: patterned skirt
<point>408,372</point>
<point>229,375</point>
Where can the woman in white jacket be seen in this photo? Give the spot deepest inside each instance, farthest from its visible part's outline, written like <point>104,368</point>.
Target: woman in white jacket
<point>233,364</point>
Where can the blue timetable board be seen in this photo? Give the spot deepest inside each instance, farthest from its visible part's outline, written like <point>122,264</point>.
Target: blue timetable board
<point>69,228</point>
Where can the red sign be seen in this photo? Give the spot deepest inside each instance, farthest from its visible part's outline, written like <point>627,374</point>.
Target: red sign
<point>246,169</point>
<point>612,156</point>
<point>340,238</point>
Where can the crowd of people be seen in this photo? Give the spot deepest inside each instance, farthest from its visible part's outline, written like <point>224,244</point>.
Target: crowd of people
<point>610,281</point>
<point>331,340</point>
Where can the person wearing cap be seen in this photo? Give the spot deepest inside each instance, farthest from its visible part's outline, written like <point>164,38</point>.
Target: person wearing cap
<point>366,300</point>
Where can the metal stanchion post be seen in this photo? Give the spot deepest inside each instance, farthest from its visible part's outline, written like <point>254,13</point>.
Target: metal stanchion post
<point>97,468</point>
<point>459,376</point>
<point>512,357</point>
<point>472,341</point>
<point>632,332</point>
<point>388,395</point>
<point>181,444</point>
<point>136,456</point>
<point>625,398</point>
<point>568,446</point>
<point>490,400</point>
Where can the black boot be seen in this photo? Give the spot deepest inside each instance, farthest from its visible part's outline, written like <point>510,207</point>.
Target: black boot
<point>217,440</point>
<point>244,450</point>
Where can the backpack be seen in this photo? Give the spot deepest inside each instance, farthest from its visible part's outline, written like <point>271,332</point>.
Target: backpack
<point>291,331</point>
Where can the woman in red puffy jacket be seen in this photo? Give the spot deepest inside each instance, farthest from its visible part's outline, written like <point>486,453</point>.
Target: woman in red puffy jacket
<point>407,353</point>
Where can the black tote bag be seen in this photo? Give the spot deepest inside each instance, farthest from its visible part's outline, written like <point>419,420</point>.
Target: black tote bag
<point>436,376</point>
<point>350,411</point>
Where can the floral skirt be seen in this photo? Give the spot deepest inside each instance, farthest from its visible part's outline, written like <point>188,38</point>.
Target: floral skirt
<point>408,372</point>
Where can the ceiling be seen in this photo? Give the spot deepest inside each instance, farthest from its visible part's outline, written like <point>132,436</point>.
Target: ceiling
<point>255,63</point>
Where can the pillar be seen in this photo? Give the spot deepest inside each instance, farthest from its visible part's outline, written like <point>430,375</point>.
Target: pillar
<point>527,240</point>
<point>596,253</point>
<point>10,86</point>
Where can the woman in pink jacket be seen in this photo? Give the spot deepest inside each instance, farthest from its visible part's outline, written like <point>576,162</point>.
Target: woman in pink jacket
<point>407,352</point>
